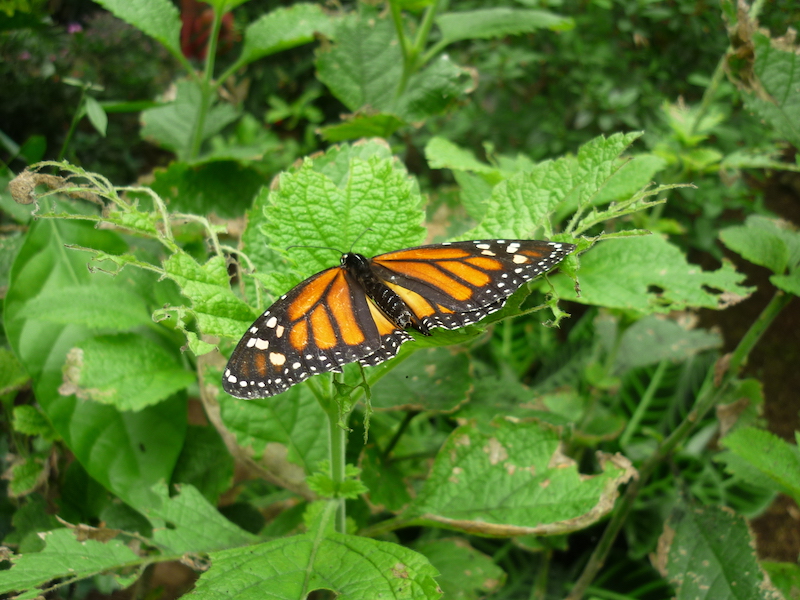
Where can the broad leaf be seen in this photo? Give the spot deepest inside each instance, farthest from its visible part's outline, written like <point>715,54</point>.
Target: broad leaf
<point>648,274</point>
<point>509,479</point>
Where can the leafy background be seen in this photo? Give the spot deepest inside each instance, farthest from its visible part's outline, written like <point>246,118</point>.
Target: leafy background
<point>491,116</point>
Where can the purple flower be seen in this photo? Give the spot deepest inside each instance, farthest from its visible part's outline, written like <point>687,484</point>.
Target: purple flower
<point>74,28</point>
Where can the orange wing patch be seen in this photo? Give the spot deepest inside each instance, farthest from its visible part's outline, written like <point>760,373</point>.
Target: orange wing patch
<point>298,337</point>
<point>385,326</point>
<point>418,304</point>
<point>485,263</point>
<point>322,328</point>
<point>341,305</point>
<point>426,254</point>
<point>433,276</point>
<point>311,294</point>
<point>465,272</point>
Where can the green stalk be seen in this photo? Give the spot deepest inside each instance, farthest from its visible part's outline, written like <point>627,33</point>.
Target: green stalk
<point>76,118</point>
<point>338,445</point>
<point>644,404</point>
<point>206,87</point>
<point>709,395</point>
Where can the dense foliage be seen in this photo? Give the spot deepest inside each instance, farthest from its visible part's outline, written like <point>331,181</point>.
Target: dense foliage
<point>588,440</point>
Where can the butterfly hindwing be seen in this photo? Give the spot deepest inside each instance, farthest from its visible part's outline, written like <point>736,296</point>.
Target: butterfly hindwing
<point>328,321</point>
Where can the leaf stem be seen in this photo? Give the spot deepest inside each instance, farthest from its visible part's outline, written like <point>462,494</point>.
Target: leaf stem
<point>709,394</point>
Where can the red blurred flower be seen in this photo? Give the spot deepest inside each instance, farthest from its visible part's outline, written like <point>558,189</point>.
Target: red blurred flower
<point>197,19</point>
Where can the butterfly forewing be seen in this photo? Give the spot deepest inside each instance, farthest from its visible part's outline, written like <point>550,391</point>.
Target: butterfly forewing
<point>456,284</point>
<point>320,325</point>
<point>328,321</point>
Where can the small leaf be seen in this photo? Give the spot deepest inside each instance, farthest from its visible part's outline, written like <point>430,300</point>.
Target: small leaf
<point>284,28</point>
<point>157,18</point>
<point>128,371</point>
<point>30,421</point>
<point>759,243</point>
<point>498,22</point>
<point>188,523</point>
<point>707,553</point>
<point>521,205</point>
<point>362,126</point>
<point>770,455</point>
<point>218,310</point>
<point>466,574</point>
<point>12,373</point>
<point>65,557</point>
<point>651,340</point>
<point>97,115</point>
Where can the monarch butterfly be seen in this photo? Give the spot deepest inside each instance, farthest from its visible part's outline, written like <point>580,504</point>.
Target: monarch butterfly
<point>360,310</point>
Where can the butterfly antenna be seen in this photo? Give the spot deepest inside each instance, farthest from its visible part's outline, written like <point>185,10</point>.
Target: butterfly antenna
<point>315,248</point>
<point>360,235</point>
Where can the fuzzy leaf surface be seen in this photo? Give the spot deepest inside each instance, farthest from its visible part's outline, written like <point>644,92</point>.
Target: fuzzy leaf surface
<point>511,479</point>
<point>649,275</point>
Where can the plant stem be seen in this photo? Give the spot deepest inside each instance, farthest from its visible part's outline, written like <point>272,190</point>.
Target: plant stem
<point>76,118</point>
<point>644,404</point>
<point>709,394</point>
<point>337,444</point>
<point>206,87</point>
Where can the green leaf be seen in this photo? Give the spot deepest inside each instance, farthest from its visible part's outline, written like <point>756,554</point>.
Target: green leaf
<point>649,275</point>
<point>707,553</point>
<point>97,116</point>
<point>223,187</point>
<point>362,126</point>
<point>172,125</point>
<point>283,28</point>
<point>784,576</point>
<point>205,463</point>
<point>352,567</point>
<point>25,476</point>
<point>282,432</point>
<point>218,310</point>
<point>365,64</point>
<point>651,339</point>
<point>430,379</point>
<point>364,68</point>
<point>128,371</point>
<point>30,421</point>
<point>770,455</point>
<point>432,90</point>
<point>498,22</point>
<point>157,18</point>
<point>761,242</point>
<point>444,154</point>
<point>115,307</point>
<point>12,373</point>
<point>376,204</point>
<point>509,479</point>
<point>384,478</point>
<point>522,204</point>
<point>788,283</point>
<point>64,556</point>
<point>188,523</point>
<point>774,96</point>
<point>465,572</point>
<point>124,452</point>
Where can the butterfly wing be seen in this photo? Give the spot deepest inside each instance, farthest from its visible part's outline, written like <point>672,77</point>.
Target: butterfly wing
<point>455,284</point>
<point>327,321</point>
<point>323,323</point>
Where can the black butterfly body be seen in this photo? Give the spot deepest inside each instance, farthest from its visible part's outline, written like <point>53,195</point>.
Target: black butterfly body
<point>360,310</point>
